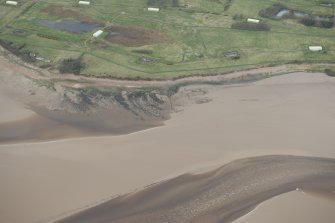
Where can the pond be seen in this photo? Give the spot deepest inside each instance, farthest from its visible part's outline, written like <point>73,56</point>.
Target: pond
<point>285,13</point>
<point>70,26</point>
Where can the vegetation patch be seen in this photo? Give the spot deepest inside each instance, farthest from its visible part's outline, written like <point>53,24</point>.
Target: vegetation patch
<point>143,51</point>
<point>239,17</point>
<point>74,66</point>
<point>184,41</point>
<point>135,36</point>
<point>45,36</point>
<point>162,3</point>
<point>330,72</point>
<point>18,50</point>
<point>59,11</point>
<point>20,32</point>
<point>251,26</point>
<point>227,4</point>
<point>311,21</point>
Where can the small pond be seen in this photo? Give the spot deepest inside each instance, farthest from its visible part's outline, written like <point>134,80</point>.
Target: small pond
<point>298,15</point>
<point>70,26</point>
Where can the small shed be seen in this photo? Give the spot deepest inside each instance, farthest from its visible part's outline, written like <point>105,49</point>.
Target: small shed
<point>253,20</point>
<point>84,3</point>
<point>315,48</point>
<point>153,9</point>
<point>97,33</point>
<point>15,3</point>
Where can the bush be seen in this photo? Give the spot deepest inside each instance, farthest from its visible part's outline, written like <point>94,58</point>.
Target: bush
<point>143,51</point>
<point>163,3</point>
<point>227,5</point>
<point>73,66</point>
<point>308,21</point>
<point>238,17</point>
<point>327,24</point>
<point>18,50</point>
<point>330,72</point>
<point>251,26</point>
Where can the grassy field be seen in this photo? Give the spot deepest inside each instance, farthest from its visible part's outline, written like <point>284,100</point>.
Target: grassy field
<point>186,37</point>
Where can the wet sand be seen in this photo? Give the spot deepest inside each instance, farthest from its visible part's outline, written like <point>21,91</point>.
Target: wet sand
<point>291,114</point>
<point>221,195</point>
<point>293,207</point>
<point>12,110</point>
<point>55,125</point>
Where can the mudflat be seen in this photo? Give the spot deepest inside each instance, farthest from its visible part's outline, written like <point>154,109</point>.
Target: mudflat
<point>221,195</point>
<point>291,114</point>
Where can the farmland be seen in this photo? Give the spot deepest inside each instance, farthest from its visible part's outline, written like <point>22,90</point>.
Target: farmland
<point>186,37</point>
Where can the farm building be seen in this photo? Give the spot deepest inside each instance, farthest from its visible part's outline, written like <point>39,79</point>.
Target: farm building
<point>153,9</point>
<point>84,3</point>
<point>253,20</point>
<point>315,48</point>
<point>97,33</point>
<point>15,3</point>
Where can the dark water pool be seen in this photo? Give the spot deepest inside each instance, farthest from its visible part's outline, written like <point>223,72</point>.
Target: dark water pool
<point>298,15</point>
<point>70,26</point>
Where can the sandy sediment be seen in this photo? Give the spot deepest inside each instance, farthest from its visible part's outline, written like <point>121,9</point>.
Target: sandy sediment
<point>295,206</point>
<point>221,195</point>
<point>11,109</point>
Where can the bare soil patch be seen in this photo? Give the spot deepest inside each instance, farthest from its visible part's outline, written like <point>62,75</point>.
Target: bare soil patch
<point>135,36</point>
<point>59,11</point>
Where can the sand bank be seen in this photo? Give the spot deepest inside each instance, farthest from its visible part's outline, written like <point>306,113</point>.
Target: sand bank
<point>221,195</point>
<point>293,207</point>
<point>290,114</point>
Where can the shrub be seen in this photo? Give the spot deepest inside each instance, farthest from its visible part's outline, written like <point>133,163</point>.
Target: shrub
<point>327,24</point>
<point>163,3</point>
<point>143,51</point>
<point>227,5</point>
<point>238,17</point>
<point>74,66</point>
<point>330,72</point>
<point>308,21</point>
<point>18,50</point>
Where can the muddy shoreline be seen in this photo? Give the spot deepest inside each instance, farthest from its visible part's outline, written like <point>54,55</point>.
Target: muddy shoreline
<point>221,121</point>
<point>83,81</point>
<point>68,106</point>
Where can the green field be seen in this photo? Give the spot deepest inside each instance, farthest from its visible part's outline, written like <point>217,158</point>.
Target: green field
<point>186,37</point>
